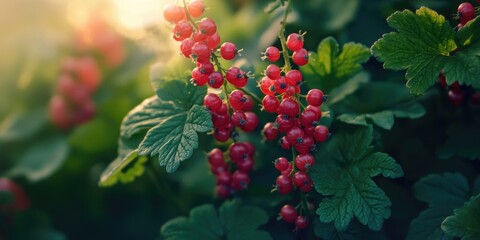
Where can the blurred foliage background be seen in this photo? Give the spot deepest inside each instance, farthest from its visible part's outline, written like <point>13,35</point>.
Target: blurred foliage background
<point>60,170</point>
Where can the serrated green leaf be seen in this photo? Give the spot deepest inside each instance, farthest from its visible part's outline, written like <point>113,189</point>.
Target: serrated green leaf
<point>468,37</point>
<point>464,69</point>
<point>328,231</point>
<point>347,179</point>
<point>232,221</point>
<point>109,176</point>
<point>465,222</point>
<point>175,137</point>
<point>20,125</point>
<point>332,67</point>
<point>421,46</point>
<point>462,141</point>
<point>42,159</point>
<point>443,193</point>
<point>380,103</point>
<point>182,94</point>
<point>349,87</point>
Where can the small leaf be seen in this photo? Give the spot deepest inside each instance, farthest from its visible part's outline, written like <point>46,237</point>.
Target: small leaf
<point>465,221</point>
<point>468,37</point>
<point>463,68</point>
<point>181,93</point>
<point>22,124</point>
<point>421,46</point>
<point>233,221</point>
<point>42,159</point>
<point>347,179</point>
<point>175,138</point>
<point>349,87</point>
<point>109,175</point>
<point>332,67</point>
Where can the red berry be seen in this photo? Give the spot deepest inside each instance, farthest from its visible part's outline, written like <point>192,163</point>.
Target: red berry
<point>288,213</point>
<point>321,133</point>
<point>73,90</point>
<point>295,135</point>
<point>269,131</point>
<point>309,118</point>
<point>272,71</point>
<point>245,165</point>
<point>88,73</point>
<point>289,107</point>
<point>284,143</point>
<point>475,98</point>
<point>442,80</point>
<point>301,222</point>
<point>307,145</point>
<point>215,157</point>
<point>213,41</point>
<point>304,161</point>
<point>207,26</point>
<point>200,50</point>
<point>196,8</point>
<point>287,171</point>
<point>205,68</point>
<point>295,42</point>
<point>293,77</point>
<point>317,110</point>
<point>59,111</point>
<point>300,57</point>
<point>186,47</point>
<point>199,37</point>
<point>283,184</point>
<point>198,77</point>
<point>239,119</point>
<point>248,104</point>
<point>284,122</point>
<point>212,101</point>
<point>315,97</point>
<point>173,13</point>
<point>224,178</point>
<point>267,87</point>
<point>240,180</point>
<point>228,51</point>
<point>182,30</point>
<point>237,99</point>
<point>220,120</point>
<point>252,122</point>
<point>222,135</point>
<point>302,181</point>
<point>84,112</point>
<point>236,77</point>
<point>21,201</point>
<point>237,151</point>
<point>223,191</point>
<point>280,85</point>
<point>466,12</point>
<point>281,164</point>
<point>456,97</point>
<point>215,80</point>
<point>270,103</point>
<point>272,54</point>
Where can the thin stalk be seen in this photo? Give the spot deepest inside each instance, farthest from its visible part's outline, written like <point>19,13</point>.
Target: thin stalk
<point>283,41</point>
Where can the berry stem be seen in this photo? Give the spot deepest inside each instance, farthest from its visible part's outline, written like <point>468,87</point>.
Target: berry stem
<point>253,96</point>
<point>190,19</point>
<point>220,69</point>
<point>283,41</point>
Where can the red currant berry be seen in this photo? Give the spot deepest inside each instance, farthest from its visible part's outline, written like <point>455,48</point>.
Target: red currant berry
<point>215,80</point>
<point>196,8</point>
<point>186,47</point>
<point>288,213</point>
<point>237,99</point>
<point>289,107</point>
<point>466,12</point>
<point>321,133</point>
<point>283,184</point>
<point>182,30</point>
<point>287,171</point>
<point>284,122</point>
<point>200,50</point>
<point>272,71</point>
<point>20,200</point>
<point>281,164</point>
<point>442,80</point>
<point>304,161</point>
<point>224,178</point>
<point>307,145</point>
<point>236,77</point>
<point>300,57</point>
<point>309,118</point>
<point>248,104</point>
<point>301,222</point>
<point>295,135</point>
<point>315,97</point>
<point>223,191</point>
<point>88,73</point>
<point>198,77</point>
<point>212,101</point>
<point>281,85</point>
<point>239,119</point>
<point>173,13</point>
<point>475,98</point>
<point>252,122</point>
<point>245,165</point>
<point>456,97</point>
<point>215,157</point>
<point>250,148</point>
<point>213,41</point>
<point>269,131</point>
<point>220,120</point>
<point>240,180</point>
<point>270,103</point>
<point>199,37</point>
<point>267,87</point>
<point>222,135</point>
<point>302,180</point>
<point>284,143</point>
<point>228,51</point>
<point>295,42</point>
<point>59,112</point>
<point>207,26</point>
<point>85,112</point>
<point>293,77</point>
<point>237,151</point>
<point>217,169</point>
<point>272,54</point>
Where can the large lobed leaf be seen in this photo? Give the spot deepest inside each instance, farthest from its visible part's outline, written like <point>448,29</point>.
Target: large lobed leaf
<point>424,44</point>
<point>233,221</point>
<point>348,181</point>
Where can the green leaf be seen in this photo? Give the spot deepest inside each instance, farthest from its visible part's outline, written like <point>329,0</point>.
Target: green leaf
<point>462,141</point>
<point>332,67</point>
<point>349,87</point>
<point>233,221</point>
<point>468,37</point>
<point>328,231</point>
<point>175,138</point>
<point>422,46</point>
<point>443,193</point>
<point>348,180</point>
<point>42,159</point>
<point>380,103</point>
<point>463,68</point>
<point>22,124</point>
<point>465,221</point>
<point>181,93</point>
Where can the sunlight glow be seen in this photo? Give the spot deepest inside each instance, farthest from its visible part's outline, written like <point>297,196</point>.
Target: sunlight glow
<point>136,14</point>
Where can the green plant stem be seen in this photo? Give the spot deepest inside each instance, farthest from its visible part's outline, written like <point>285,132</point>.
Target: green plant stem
<point>283,41</point>
<point>190,19</point>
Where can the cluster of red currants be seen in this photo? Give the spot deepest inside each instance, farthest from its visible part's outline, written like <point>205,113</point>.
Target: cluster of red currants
<point>241,156</point>
<point>72,104</point>
<point>200,43</point>
<point>465,13</point>
<point>459,94</point>
<point>300,126</point>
